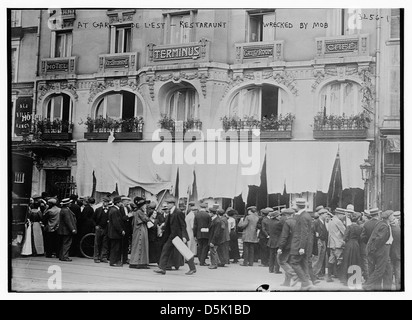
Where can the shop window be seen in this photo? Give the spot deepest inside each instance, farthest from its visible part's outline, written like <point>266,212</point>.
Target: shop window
<point>261,26</point>
<point>259,102</point>
<point>117,106</point>
<point>59,107</point>
<point>122,38</point>
<point>395,23</point>
<point>62,44</point>
<point>183,105</point>
<point>341,98</point>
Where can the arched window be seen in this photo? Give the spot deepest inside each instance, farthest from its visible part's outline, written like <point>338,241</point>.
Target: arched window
<point>59,107</point>
<point>183,105</point>
<point>119,106</point>
<point>340,98</point>
<point>259,101</point>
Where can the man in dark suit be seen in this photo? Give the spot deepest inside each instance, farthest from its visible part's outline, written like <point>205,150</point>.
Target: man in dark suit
<point>378,249</point>
<point>215,235</point>
<point>223,247</point>
<point>101,219</point>
<point>272,227</point>
<point>201,233</point>
<point>302,242</point>
<point>127,224</point>
<point>321,238</point>
<point>395,252</point>
<point>115,233</point>
<point>263,238</point>
<point>284,244</point>
<point>67,228</point>
<point>75,208</point>
<point>367,230</point>
<point>175,226</point>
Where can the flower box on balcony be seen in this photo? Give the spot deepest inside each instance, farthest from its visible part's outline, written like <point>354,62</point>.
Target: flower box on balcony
<point>275,134</point>
<point>340,134</point>
<point>96,135</point>
<point>128,135</point>
<point>56,136</point>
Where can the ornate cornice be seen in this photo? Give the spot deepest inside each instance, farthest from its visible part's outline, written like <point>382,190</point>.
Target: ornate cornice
<point>97,86</point>
<point>57,87</point>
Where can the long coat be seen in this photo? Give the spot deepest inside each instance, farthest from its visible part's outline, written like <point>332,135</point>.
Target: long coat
<point>67,222</point>
<point>140,240</point>
<point>378,238</point>
<point>115,227</point>
<point>395,252</point>
<point>215,231</point>
<point>202,220</point>
<point>273,228</point>
<point>336,233</point>
<point>367,229</point>
<point>351,253</point>
<point>302,237</point>
<point>249,225</point>
<point>191,243</point>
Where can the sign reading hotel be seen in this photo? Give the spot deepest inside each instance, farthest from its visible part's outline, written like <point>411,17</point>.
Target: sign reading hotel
<point>116,62</point>
<point>57,66</point>
<point>177,53</point>
<point>257,52</point>
<point>24,107</point>
<point>339,46</point>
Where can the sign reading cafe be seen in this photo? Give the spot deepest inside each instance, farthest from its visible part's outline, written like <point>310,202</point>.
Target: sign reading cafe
<point>257,52</point>
<point>23,116</point>
<point>346,45</point>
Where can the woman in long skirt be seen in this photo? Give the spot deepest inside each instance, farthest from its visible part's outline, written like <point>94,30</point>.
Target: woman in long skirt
<point>233,243</point>
<point>155,241</point>
<point>139,257</point>
<point>33,242</point>
<point>351,253</point>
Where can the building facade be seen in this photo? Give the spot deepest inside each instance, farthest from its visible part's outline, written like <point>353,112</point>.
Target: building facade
<point>322,87</point>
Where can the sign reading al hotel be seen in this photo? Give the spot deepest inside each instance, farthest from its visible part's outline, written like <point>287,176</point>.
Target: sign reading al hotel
<point>176,53</point>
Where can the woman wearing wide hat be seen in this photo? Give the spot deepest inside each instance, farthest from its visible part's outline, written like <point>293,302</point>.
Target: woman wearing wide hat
<point>139,257</point>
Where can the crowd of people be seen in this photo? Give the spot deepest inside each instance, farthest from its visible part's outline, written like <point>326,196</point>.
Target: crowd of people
<point>355,248</point>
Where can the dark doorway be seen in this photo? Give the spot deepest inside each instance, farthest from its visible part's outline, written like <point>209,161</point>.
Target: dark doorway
<point>57,182</point>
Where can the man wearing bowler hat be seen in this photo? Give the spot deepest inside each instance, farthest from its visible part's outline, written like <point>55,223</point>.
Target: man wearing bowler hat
<point>175,226</point>
<point>67,228</point>
<point>302,242</point>
<point>116,233</point>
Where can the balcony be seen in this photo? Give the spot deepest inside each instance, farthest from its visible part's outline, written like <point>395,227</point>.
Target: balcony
<point>341,127</point>
<point>179,53</point>
<point>342,46</point>
<point>127,129</point>
<point>126,62</point>
<point>259,51</point>
<point>179,130</point>
<point>61,65</point>
<point>56,130</point>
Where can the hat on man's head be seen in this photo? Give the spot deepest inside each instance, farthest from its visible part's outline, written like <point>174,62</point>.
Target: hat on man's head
<point>288,211</point>
<point>350,208</point>
<point>66,201</point>
<point>192,203</point>
<point>273,214</point>
<point>386,214</point>
<point>91,200</point>
<point>36,196</point>
<point>170,200</point>
<point>301,202</point>
<point>139,201</point>
<point>126,198</point>
<point>266,210</point>
<point>203,205</point>
<point>294,207</point>
<point>214,210</point>
<point>52,200</point>
<point>251,208</point>
<point>340,211</point>
<point>220,212</point>
<point>397,214</point>
<point>322,211</point>
<point>373,212</point>
<point>318,208</point>
<point>117,199</point>
<point>195,208</point>
<point>355,216</point>
<point>106,199</point>
<point>216,206</point>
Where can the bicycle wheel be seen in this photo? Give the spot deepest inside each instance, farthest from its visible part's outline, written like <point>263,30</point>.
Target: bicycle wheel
<point>87,245</point>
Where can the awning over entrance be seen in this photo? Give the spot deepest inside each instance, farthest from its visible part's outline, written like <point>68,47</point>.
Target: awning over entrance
<point>303,166</point>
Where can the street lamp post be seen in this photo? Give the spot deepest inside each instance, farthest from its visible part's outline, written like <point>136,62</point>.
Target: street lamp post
<point>366,169</point>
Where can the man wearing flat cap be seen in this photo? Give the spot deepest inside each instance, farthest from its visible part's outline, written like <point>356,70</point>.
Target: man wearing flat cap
<point>67,228</point>
<point>175,226</point>
<point>302,243</point>
<point>116,233</point>
<point>201,225</point>
<point>378,250</point>
<point>51,225</point>
<point>336,243</point>
<point>366,233</point>
<point>249,237</point>
<point>272,227</point>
